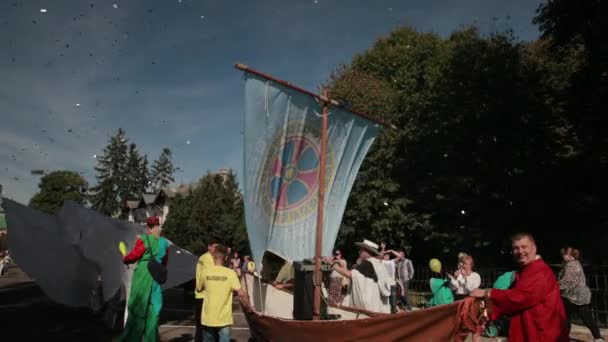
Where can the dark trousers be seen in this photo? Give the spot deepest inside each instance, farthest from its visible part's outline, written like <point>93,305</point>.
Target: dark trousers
<point>393,298</point>
<point>584,311</point>
<point>404,295</point>
<point>198,310</point>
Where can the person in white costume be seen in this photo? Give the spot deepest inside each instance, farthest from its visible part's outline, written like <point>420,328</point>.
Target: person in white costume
<point>370,282</point>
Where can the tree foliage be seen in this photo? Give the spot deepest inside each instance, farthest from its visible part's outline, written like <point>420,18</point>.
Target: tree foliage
<point>213,209</point>
<point>136,174</point>
<point>122,174</point>
<point>110,175</point>
<point>56,187</point>
<point>483,144</point>
<point>163,170</point>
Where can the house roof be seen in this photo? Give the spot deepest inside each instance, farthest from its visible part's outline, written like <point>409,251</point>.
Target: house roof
<point>173,192</point>
<point>133,204</point>
<point>152,197</point>
<point>149,198</point>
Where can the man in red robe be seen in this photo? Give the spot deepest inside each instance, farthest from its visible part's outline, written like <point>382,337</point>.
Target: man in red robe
<point>533,302</point>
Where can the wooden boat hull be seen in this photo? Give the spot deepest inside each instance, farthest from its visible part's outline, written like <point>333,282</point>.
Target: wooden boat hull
<point>269,314</point>
<point>434,324</point>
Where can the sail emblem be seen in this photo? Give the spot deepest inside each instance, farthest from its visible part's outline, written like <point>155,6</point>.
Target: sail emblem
<point>294,173</point>
<point>290,175</point>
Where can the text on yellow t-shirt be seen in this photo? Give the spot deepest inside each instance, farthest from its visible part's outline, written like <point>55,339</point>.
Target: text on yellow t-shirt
<point>206,260</point>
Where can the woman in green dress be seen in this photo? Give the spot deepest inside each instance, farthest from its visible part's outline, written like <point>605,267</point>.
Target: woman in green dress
<point>145,299</point>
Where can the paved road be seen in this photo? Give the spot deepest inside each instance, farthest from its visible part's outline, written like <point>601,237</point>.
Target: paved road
<point>22,303</point>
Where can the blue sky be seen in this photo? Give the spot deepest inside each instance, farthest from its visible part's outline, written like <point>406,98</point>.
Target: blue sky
<point>163,70</point>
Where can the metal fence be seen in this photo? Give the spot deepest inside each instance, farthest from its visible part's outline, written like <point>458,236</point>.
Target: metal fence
<point>597,280</point>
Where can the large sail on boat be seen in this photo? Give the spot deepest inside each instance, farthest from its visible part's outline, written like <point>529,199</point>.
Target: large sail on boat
<point>283,130</point>
<point>302,155</point>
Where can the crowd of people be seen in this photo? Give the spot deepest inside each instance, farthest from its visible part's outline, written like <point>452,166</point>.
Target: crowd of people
<point>539,305</point>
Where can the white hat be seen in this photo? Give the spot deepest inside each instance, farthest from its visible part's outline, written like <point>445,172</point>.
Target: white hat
<point>369,245</point>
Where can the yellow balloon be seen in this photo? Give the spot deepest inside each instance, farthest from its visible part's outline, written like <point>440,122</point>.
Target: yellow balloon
<point>435,265</point>
<point>122,248</point>
<point>251,266</point>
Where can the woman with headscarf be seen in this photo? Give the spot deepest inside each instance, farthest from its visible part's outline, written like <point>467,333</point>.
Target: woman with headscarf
<point>145,300</point>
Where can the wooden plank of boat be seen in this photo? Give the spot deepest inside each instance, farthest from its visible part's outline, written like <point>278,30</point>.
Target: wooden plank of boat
<point>433,324</point>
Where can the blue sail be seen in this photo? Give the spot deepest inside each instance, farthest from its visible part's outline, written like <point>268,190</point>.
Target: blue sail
<point>282,157</point>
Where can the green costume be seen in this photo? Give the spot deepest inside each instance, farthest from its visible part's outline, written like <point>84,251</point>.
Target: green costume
<point>504,281</point>
<point>501,326</point>
<point>146,299</point>
<point>441,292</point>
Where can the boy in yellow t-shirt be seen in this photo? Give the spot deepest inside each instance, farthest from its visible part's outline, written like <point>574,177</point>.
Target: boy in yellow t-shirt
<point>205,261</point>
<point>218,282</point>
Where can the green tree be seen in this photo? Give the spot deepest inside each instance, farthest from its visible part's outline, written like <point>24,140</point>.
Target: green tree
<point>574,34</point>
<point>162,170</point>
<point>177,227</point>
<point>143,179</point>
<point>135,175</point>
<point>462,169</point>
<point>111,166</point>
<point>215,209</point>
<point>56,187</point>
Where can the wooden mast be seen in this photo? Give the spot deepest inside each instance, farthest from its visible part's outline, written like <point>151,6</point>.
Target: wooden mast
<point>321,98</point>
<point>317,276</point>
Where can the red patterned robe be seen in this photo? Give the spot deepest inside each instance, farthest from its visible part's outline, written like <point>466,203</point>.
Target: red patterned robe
<point>534,305</point>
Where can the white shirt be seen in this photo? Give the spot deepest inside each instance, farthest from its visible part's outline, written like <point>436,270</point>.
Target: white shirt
<point>390,267</point>
<point>464,285</point>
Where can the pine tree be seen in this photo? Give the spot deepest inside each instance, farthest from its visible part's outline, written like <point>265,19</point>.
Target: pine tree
<point>135,175</point>
<point>110,175</point>
<point>162,170</point>
<point>143,174</point>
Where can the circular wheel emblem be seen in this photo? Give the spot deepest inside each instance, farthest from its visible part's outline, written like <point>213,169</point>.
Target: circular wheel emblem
<point>294,173</point>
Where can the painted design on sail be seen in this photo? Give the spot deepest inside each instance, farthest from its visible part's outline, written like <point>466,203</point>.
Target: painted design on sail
<point>292,175</point>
